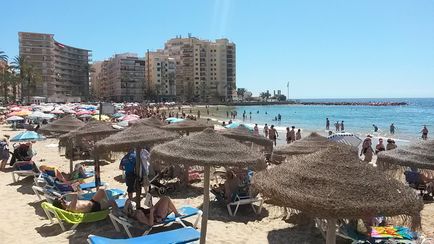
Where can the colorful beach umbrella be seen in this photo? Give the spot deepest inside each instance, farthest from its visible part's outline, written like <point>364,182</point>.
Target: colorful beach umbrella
<point>40,115</point>
<point>57,112</point>
<point>14,118</point>
<point>103,117</point>
<point>174,120</point>
<point>117,115</point>
<point>27,136</point>
<point>130,117</point>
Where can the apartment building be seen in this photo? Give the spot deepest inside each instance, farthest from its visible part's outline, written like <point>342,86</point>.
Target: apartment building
<point>120,79</point>
<point>160,76</point>
<point>95,80</point>
<point>62,71</point>
<point>205,70</point>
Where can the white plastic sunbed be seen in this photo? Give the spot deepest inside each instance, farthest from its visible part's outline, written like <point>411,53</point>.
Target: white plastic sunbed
<point>178,236</point>
<point>244,200</point>
<point>119,218</point>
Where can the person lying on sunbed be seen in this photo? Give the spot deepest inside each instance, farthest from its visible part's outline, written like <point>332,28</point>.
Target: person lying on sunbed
<point>98,203</point>
<point>76,175</point>
<point>153,215</point>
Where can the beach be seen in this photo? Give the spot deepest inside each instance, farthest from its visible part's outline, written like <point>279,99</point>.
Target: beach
<point>23,220</point>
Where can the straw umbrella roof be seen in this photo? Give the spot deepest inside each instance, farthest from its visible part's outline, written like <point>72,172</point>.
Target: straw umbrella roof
<point>62,126</point>
<point>310,144</point>
<point>188,126</point>
<point>93,128</point>
<point>244,134</point>
<point>151,121</point>
<point>207,148</point>
<point>419,155</point>
<point>333,183</point>
<point>136,136</point>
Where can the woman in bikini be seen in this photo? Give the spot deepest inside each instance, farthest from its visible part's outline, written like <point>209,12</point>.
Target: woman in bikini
<point>153,215</point>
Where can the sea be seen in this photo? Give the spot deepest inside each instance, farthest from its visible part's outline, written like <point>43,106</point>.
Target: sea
<point>408,120</point>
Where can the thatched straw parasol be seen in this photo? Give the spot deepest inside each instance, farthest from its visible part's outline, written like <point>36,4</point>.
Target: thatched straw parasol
<point>187,126</point>
<point>94,130</point>
<point>243,134</point>
<point>419,155</point>
<point>310,144</point>
<point>207,149</point>
<point>62,126</point>
<point>333,183</point>
<point>151,121</point>
<point>135,137</point>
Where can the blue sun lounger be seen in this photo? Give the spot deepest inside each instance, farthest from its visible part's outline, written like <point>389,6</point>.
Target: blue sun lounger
<point>178,236</point>
<point>119,218</point>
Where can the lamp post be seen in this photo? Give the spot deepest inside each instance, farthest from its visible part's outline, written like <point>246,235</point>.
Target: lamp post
<point>287,87</point>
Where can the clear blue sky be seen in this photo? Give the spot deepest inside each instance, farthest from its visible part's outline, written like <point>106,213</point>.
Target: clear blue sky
<point>326,49</point>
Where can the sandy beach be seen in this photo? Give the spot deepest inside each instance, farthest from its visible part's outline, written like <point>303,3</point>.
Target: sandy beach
<point>23,220</point>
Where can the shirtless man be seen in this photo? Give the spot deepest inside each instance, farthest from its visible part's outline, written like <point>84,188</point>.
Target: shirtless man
<point>292,134</point>
<point>272,134</point>
<point>98,202</point>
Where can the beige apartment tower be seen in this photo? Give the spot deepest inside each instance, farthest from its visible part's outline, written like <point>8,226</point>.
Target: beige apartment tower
<point>205,70</point>
<point>63,70</point>
<point>119,79</point>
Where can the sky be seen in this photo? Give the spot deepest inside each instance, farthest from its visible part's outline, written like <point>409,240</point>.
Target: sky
<point>324,49</point>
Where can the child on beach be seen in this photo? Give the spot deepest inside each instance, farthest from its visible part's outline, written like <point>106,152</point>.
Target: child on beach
<point>266,130</point>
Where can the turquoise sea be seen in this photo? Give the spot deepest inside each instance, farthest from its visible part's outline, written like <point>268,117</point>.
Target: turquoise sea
<point>408,119</point>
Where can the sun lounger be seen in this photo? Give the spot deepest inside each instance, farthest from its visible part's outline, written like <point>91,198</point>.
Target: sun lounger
<point>178,236</point>
<point>72,218</point>
<point>244,200</point>
<point>23,169</point>
<point>120,218</point>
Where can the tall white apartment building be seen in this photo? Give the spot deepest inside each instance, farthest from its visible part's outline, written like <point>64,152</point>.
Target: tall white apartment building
<point>160,73</point>
<point>120,79</point>
<point>205,70</point>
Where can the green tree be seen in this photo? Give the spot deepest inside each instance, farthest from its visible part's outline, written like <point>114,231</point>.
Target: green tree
<point>241,92</point>
<point>19,64</point>
<point>3,57</point>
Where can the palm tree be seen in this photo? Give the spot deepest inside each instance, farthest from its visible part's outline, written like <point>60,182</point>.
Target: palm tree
<point>20,65</point>
<point>33,77</point>
<point>3,57</point>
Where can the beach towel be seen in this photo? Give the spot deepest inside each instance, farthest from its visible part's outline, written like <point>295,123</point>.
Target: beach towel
<point>76,218</point>
<point>396,232</point>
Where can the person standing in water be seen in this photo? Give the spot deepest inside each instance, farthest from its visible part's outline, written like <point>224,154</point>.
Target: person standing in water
<point>337,126</point>
<point>375,128</point>
<point>342,126</point>
<point>272,134</point>
<point>288,136</point>
<point>266,130</point>
<point>327,124</point>
<point>392,129</point>
<point>424,132</point>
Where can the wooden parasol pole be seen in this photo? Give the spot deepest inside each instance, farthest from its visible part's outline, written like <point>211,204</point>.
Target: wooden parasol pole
<point>331,231</point>
<point>204,222</point>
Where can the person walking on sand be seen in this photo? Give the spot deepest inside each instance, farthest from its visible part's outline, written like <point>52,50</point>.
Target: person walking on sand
<point>337,126</point>
<point>327,124</point>
<point>367,149</point>
<point>4,152</point>
<point>292,133</point>
<point>380,146</point>
<point>256,130</point>
<point>390,144</point>
<point>392,129</point>
<point>272,134</point>
<point>266,130</point>
<point>288,136</point>
<point>424,132</point>
<point>298,135</point>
